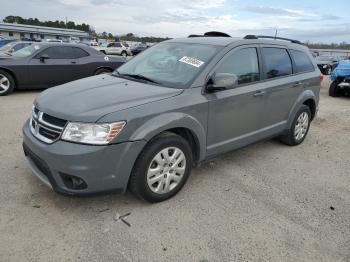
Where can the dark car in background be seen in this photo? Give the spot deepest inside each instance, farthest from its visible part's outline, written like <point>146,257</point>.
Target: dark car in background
<point>13,47</point>
<point>43,65</point>
<point>326,63</point>
<point>138,48</point>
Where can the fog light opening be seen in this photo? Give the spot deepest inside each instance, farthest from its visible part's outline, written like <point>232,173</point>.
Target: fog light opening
<point>73,182</point>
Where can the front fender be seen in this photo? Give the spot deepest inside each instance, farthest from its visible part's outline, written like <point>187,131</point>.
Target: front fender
<point>167,121</point>
<point>307,94</point>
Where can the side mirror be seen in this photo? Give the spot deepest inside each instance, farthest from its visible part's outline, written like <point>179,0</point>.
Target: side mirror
<point>43,57</point>
<point>11,50</point>
<point>222,81</point>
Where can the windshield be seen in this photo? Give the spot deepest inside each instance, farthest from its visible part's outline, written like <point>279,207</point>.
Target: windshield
<point>7,47</point>
<point>170,64</point>
<point>26,51</point>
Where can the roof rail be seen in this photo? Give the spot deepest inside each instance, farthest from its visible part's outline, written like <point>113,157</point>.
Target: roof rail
<point>272,37</point>
<point>211,34</point>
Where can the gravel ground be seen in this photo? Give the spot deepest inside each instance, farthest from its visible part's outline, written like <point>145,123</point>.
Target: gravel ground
<point>266,202</point>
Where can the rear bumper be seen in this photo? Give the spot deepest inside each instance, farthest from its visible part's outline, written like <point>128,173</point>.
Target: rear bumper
<point>102,168</point>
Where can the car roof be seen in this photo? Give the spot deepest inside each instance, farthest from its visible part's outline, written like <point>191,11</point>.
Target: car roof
<point>225,41</point>
<point>57,44</point>
<point>219,41</point>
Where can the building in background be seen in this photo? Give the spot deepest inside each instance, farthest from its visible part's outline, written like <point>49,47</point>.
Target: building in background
<point>20,31</point>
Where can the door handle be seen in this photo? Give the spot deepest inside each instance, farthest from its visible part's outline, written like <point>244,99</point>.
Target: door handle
<point>259,93</point>
<point>73,62</point>
<point>297,84</point>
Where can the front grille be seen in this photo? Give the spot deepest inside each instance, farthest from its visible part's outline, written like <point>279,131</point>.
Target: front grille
<point>46,128</point>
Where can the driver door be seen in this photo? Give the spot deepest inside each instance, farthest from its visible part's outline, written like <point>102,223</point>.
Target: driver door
<point>57,68</point>
<point>235,114</point>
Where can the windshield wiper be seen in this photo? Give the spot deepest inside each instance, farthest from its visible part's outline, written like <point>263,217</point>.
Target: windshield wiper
<point>138,76</point>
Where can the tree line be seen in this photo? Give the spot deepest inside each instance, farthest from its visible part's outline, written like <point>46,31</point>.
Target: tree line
<point>59,24</point>
<point>342,45</point>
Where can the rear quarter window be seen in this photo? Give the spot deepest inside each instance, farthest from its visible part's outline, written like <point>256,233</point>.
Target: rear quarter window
<point>79,53</point>
<point>302,61</point>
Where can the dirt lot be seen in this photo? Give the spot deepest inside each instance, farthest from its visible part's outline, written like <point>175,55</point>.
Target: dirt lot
<point>266,202</point>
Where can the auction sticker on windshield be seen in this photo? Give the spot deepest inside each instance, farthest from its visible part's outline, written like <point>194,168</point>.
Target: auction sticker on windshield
<point>191,61</point>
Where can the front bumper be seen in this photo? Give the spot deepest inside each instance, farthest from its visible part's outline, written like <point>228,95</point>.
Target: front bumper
<point>102,168</point>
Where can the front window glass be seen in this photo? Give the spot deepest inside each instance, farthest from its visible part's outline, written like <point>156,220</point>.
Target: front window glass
<point>7,46</point>
<point>170,64</point>
<point>26,51</point>
<point>243,63</point>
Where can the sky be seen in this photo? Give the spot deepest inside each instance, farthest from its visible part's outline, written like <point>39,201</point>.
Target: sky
<point>314,21</point>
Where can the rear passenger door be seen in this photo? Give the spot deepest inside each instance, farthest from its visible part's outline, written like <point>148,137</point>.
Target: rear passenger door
<point>281,89</point>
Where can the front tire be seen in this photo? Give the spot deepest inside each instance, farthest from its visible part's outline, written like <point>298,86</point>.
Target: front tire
<point>124,54</point>
<point>7,83</point>
<point>300,127</point>
<point>162,168</point>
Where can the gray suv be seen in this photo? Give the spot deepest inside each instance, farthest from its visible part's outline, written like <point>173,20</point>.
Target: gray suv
<point>175,105</point>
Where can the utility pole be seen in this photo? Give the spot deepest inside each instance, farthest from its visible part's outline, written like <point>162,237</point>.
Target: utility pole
<point>276,32</point>
<point>66,23</point>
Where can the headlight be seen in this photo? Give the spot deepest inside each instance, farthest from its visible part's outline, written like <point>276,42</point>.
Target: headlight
<point>95,134</point>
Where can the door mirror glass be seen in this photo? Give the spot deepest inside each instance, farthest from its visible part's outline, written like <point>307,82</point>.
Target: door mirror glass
<point>222,81</point>
<point>43,57</point>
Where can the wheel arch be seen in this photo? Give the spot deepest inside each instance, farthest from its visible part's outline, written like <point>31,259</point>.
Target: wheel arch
<point>307,98</point>
<point>181,124</point>
<point>103,67</point>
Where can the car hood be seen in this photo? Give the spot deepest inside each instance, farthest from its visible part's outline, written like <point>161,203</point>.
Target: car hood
<point>89,99</point>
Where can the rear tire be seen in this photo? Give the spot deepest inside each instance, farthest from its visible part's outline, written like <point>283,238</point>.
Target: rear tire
<point>102,71</point>
<point>7,83</point>
<point>333,89</point>
<point>103,51</point>
<point>124,54</point>
<point>162,168</point>
<point>299,128</point>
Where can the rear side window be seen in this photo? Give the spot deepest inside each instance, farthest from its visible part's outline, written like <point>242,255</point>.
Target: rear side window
<point>277,62</point>
<point>243,63</point>
<point>117,45</point>
<point>302,61</point>
<point>79,53</point>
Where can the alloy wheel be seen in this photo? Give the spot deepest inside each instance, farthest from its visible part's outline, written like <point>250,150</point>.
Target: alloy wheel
<point>4,83</point>
<point>301,126</point>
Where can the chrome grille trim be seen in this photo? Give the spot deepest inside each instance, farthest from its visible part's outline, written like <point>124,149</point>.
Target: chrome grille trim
<point>40,124</point>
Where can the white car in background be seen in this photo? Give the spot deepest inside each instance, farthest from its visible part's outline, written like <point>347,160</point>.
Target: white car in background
<point>115,48</point>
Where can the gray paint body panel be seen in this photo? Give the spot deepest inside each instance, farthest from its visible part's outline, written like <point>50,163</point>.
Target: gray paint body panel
<point>220,121</point>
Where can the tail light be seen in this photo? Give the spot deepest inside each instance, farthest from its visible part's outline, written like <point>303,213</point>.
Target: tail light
<point>321,77</point>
